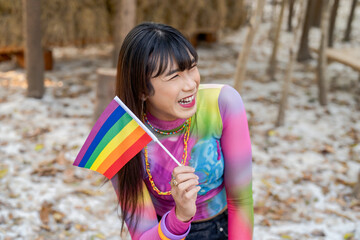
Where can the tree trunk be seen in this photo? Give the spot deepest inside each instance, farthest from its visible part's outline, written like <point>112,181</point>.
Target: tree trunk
<point>285,91</point>
<point>351,17</point>
<point>273,20</point>
<point>317,13</point>
<point>34,58</point>
<point>357,95</point>
<point>244,54</point>
<point>290,16</point>
<point>124,21</point>
<point>273,62</point>
<point>321,68</point>
<point>304,51</point>
<point>332,23</point>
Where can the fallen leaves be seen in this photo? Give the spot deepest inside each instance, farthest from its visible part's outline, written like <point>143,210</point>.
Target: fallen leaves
<point>51,168</point>
<point>36,132</point>
<point>46,211</point>
<point>3,172</point>
<point>88,192</point>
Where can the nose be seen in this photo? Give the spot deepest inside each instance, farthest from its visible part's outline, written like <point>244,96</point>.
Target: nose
<point>189,82</point>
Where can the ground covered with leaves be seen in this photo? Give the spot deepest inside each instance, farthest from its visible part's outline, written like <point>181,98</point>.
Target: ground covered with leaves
<point>304,173</point>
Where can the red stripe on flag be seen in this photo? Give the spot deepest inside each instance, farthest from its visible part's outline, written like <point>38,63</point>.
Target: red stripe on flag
<point>126,156</point>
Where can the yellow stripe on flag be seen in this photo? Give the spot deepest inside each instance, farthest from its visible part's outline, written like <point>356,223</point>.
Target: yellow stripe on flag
<point>121,136</point>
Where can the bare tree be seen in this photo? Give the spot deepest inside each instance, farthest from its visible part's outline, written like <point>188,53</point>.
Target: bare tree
<point>317,13</point>
<point>322,61</point>
<point>244,54</point>
<point>273,62</point>
<point>124,21</point>
<point>290,15</point>
<point>285,91</point>
<point>304,51</point>
<point>350,20</point>
<point>332,22</point>
<point>321,68</point>
<point>34,59</point>
<point>273,20</point>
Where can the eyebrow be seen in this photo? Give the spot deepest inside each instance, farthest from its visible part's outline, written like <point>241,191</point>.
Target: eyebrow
<point>178,70</point>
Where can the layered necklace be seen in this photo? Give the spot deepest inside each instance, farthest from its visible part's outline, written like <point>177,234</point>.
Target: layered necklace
<point>186,124</point>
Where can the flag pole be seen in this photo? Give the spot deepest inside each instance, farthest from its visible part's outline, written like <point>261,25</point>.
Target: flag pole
<point>117,99</point>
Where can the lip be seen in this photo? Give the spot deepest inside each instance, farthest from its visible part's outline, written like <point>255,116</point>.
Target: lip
<point>189,105</point>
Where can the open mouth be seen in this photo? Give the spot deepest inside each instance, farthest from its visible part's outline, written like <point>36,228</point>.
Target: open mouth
<point>187,100</point>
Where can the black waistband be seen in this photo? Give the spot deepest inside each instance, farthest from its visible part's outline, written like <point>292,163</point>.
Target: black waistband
<point>224,214</point>
<point>218,217</point>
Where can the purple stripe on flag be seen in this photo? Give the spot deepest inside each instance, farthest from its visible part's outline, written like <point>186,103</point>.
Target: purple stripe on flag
<point>104,116</point>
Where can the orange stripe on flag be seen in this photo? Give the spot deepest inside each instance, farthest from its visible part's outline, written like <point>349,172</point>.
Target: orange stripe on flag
<point>119,150</point>
<point>130,153</point>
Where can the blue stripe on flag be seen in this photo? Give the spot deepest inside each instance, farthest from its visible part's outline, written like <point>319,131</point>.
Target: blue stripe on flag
<point>113,118</point>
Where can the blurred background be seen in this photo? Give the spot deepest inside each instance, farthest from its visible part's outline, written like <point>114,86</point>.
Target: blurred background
<point>296,64</point>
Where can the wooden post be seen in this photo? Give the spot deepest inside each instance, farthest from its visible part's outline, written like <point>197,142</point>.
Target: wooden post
<point>34,59</point>
<point>273,61</point>
<point>105,90</point>
<point>285,91</point>
<point>124,21</point>
<point>350,20</point>
<point>244,54</point>
<point>322,59</point>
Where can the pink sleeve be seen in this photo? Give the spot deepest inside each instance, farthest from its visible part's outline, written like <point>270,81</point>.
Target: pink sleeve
<point>236,147</point>
<point>148,226</point>
<point>176,226</point>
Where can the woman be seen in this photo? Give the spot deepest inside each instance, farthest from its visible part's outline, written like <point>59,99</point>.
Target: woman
<point>204,126</point>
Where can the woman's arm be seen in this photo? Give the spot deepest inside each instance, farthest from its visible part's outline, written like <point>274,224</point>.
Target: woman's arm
<point>236,147</point>
<point>148,226</point>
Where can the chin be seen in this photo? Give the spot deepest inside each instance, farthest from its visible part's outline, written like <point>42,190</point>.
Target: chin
<point>189,113</point>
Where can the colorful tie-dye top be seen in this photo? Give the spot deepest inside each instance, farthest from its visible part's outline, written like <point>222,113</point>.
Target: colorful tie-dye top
<point>219,149</point>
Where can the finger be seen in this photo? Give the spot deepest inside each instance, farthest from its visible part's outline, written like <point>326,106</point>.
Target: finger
<point>182,169</point>
<point>182,177</point>
<point>185,186</point>
<point>192,193</point>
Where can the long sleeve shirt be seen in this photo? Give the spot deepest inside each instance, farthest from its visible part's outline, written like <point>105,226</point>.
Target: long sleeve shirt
<point>219,148</point>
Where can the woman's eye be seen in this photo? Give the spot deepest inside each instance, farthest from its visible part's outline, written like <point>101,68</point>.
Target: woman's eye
<point>175,76</point>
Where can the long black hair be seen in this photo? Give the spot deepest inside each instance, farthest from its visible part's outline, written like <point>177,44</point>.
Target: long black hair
<point>146,52</point>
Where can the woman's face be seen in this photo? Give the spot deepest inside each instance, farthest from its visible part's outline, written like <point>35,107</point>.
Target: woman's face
<point>175,93</point>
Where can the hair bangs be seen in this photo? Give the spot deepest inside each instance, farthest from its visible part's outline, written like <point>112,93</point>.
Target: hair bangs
<point>168,52</point>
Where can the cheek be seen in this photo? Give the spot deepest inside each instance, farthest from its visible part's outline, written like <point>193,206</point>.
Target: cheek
<point>197,76</point>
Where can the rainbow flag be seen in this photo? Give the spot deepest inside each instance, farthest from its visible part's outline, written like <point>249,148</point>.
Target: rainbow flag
<point>117,136</point>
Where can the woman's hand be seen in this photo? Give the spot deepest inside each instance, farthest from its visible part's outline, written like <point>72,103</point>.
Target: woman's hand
<point>184,192</point>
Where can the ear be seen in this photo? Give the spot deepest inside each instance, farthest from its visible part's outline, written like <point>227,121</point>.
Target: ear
<point>143,97</point>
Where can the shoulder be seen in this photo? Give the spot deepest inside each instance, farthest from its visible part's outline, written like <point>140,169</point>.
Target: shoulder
<point>230,99</point>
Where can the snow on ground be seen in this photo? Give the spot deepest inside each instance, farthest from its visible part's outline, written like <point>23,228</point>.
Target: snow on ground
<point>303,172</point>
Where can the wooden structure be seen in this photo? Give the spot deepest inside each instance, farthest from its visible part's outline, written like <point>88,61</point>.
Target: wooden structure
<point>105,90</point>
<point>6,54</point>
<point>349,57</point>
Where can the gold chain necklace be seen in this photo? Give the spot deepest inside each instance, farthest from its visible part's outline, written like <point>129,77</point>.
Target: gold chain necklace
<point>183,161</point>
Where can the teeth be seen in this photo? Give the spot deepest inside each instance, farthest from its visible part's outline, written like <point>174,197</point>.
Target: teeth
<point>187,100</point>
